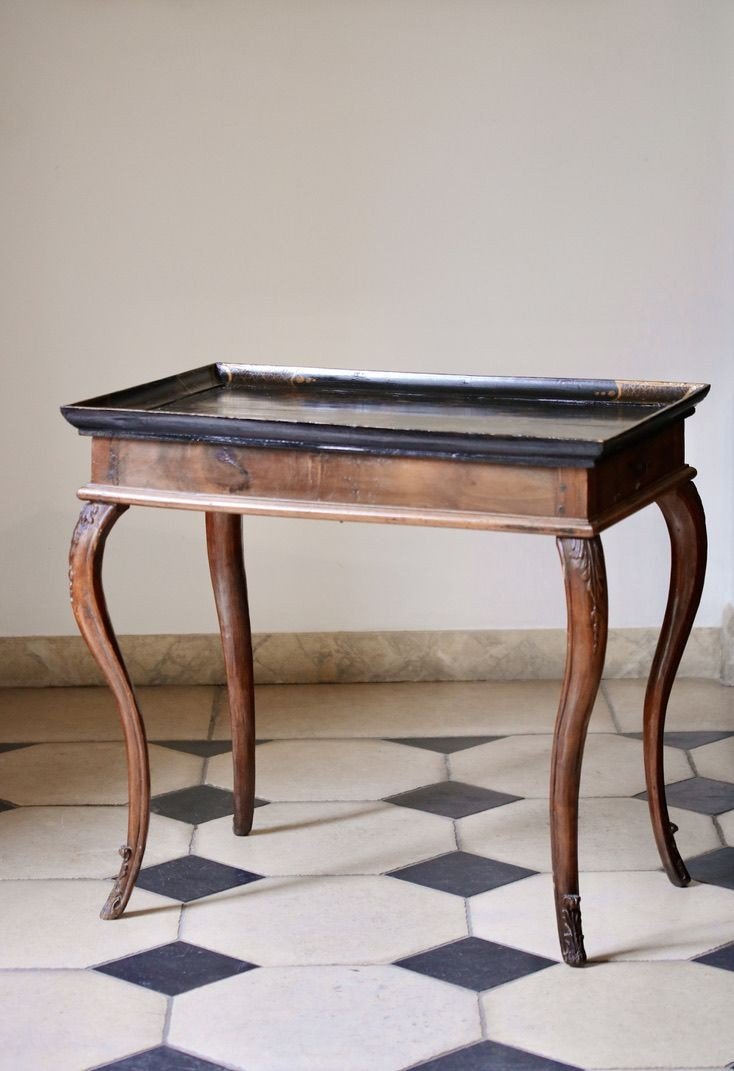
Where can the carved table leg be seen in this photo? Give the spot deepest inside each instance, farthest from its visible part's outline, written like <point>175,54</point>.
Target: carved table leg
<point>586,601</point>
<point>90,609</point>
<point>686,523</point>
<point>226,565</point>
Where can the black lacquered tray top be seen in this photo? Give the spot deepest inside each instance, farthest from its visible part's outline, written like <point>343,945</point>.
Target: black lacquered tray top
<point>535,421</point>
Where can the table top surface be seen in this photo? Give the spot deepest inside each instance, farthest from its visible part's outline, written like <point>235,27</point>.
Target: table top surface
<point>510,419</point>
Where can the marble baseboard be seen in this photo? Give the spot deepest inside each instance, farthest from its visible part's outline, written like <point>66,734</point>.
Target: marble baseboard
<point>328,657</point>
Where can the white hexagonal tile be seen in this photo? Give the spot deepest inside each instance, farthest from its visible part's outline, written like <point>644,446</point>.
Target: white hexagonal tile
<point>622,1015</point>
<point>68,773</point>
<point>67,1020</point>
<point>79,842</point>
<point>634,915</point>
<point>444,708</point>
<point>51,714</point>
<point>520,765</point>
<point>324,1019</point>
<point>57,924</point>
<point>327,838</point>
<point>694,705</point>
<point>613,834</point>
<point>716,760</point>
<point>335,769</point>
<point>324,920</point>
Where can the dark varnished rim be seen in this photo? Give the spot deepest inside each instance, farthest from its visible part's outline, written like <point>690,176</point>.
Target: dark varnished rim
<point>132,413</point>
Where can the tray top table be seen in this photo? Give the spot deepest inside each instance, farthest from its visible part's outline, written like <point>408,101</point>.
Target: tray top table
<point>562,457</point>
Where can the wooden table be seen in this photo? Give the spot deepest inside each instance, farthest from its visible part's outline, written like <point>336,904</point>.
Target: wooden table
<point>566,458</point>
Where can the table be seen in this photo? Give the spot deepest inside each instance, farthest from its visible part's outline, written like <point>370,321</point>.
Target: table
<point>560,457</point>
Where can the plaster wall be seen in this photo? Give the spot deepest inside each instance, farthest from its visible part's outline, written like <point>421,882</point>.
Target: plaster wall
<point>511,187</point>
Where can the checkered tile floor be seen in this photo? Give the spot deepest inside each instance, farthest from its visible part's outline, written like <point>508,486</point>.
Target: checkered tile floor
<point>392,908</point>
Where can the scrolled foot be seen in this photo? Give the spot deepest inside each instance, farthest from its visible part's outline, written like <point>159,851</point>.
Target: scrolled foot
<point>120,893</point>
<point>677,869</point>
<point>569,925</point>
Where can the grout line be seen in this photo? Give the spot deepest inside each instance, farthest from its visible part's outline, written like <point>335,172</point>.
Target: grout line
<point>692,763</point>
<point>482,1018</point>
<point>719,830</point>
<point>224,1064</point>
<point>467,916</point>
<point>194,827</point>
<point>451,1052</point>
<point>455,831</point>
<point>215,712</point>
<point>167,1020</point>
<point>605,693</point>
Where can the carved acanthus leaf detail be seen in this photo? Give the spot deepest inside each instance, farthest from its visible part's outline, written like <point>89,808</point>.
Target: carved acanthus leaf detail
<point>87,519</point>
<point>588,566</point>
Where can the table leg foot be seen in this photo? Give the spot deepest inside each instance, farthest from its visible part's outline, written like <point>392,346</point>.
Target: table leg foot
<point>686,523</point>
<point>226,566</point>
<point>570,931</point>
<point>120,892</point>
<point>90,610</point>
<point>586,601</point>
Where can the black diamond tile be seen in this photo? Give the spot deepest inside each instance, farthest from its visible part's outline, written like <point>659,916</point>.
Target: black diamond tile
<point>461,873</point>
<point>162,1059</point>
<point>475,964</point>
<point>191,877</point>
<point>687,741</point>
<point>175,968</point>
<point>205,749</point>
<point>447,745</point>
<point>700,794</point>
<point>453,799</point>
<point>491,1056</point>
<point>6,805</point>
<point>715,868</point>
<point>197,804</point>
<point>14,747</point>
<point>722,957</point>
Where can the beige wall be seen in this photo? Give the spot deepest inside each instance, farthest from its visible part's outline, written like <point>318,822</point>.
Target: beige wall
<point>517,187</point>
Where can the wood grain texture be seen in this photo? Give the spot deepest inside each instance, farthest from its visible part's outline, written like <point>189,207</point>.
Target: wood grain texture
<point>686,524</point>
<point>90,610</point>
<point>586,601</point>
<point>414,491</point>
<point>621,477</point>
<point>350,479</point>
<point>226,566</point>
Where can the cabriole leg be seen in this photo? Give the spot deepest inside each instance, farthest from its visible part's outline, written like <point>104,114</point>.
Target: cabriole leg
<point>90,610</point>
<point>226,565</point>
<point>586,601</point>
<point>686,523</point>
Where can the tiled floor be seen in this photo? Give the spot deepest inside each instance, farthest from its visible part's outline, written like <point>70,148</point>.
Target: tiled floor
<point>392,908</point>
